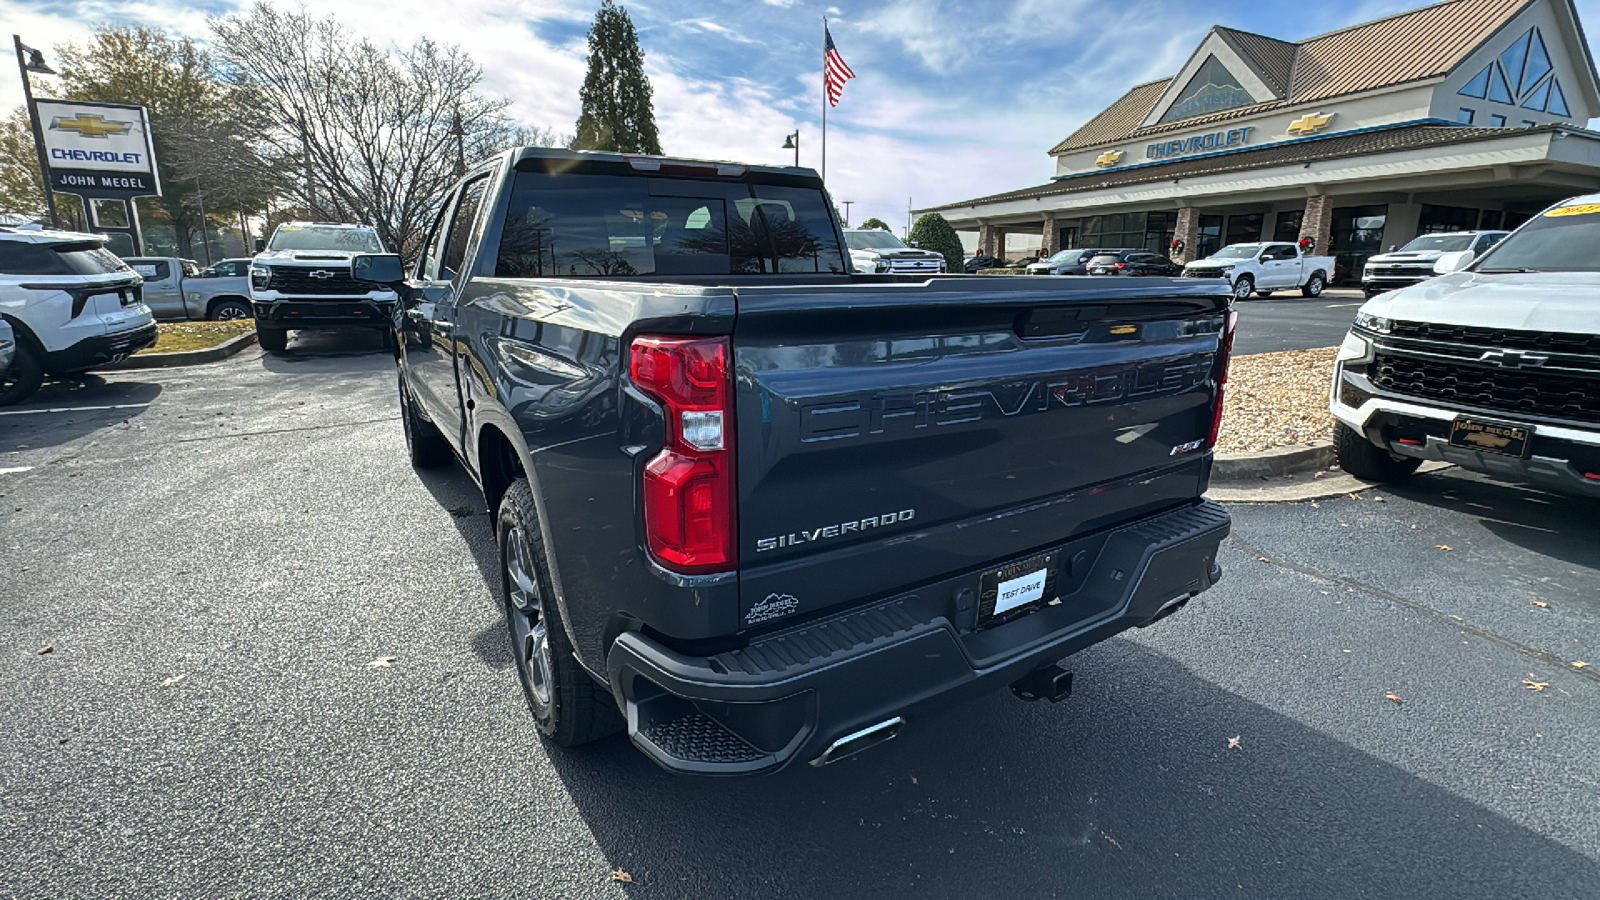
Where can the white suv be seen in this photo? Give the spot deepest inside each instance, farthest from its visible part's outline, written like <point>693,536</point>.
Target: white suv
<point>71,303</point>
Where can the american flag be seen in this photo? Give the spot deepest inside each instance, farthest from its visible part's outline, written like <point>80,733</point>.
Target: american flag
<point>834,72</point>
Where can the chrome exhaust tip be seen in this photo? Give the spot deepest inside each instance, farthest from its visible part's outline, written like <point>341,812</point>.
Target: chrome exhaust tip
<point>857,741</point>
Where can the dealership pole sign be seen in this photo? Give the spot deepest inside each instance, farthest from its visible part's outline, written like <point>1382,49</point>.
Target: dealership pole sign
<point>98,150</point>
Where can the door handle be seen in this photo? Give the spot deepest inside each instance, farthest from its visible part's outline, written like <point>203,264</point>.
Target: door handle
<point>416,315</point>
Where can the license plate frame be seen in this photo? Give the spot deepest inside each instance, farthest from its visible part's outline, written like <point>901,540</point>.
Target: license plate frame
<point>1498,438</point>
<point>991,581</point>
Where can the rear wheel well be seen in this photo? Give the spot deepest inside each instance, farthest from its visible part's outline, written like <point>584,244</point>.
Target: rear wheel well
<point>498,465</point>
<point>24,333</point>
<point>211,305</point>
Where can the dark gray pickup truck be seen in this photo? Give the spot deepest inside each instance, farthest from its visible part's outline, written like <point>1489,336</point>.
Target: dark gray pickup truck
<point>757,508</point>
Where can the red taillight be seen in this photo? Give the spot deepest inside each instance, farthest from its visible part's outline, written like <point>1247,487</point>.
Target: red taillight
<point>689,520</point>
<point>1224,354</point>
<point>1119,265</point>
<point>1410,442</point>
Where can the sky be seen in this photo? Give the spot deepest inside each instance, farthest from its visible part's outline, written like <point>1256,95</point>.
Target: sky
<point>953,99</point>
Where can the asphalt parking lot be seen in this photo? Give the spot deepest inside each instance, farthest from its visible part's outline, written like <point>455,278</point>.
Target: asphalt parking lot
<point>277,668</point>
<point>1288,321</point>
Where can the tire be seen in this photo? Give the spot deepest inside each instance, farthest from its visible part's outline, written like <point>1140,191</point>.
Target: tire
<point>568,706</point>
<point>424,444</point>
<point>1366,461</point>
<point>1314,285</point>
<point>1243,286</point>
<point>272,340</point>
<point>230,310</point>
<point>22,380</point>
<point>1370,292</point>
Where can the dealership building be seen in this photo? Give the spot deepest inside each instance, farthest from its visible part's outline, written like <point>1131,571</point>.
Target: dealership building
<point>1460,115</point>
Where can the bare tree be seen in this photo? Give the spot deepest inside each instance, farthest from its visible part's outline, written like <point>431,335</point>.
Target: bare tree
<point>375,134</point>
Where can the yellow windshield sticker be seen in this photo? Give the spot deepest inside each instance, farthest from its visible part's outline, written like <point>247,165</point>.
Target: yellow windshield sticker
<point>1581,209</point>
<point>1124,329</point>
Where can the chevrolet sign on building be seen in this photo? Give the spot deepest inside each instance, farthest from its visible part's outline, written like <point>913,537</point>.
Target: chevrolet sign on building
<point>98,149</point>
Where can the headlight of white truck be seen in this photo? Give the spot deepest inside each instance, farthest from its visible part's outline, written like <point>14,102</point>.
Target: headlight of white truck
<point>1369,322</point>
<point>260,277</point>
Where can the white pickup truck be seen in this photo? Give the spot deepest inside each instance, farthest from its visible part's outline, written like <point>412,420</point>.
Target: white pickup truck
<point>1495,368</point>
<point>1263,268</point>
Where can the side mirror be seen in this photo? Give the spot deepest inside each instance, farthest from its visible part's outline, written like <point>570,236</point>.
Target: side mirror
<point>378,268</point>
<point>1452,262</point>
<point>261,245</point>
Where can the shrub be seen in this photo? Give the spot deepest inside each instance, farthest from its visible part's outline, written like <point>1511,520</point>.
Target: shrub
<point>932,232</point>
<point>877,223</point>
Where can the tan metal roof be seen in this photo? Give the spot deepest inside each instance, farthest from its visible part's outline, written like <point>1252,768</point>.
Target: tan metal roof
<point>1405,47</point>
<point>1339,146</point>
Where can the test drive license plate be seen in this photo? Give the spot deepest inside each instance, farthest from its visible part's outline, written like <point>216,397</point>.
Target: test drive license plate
<point>1508,440</point>
<point>1018,584</point>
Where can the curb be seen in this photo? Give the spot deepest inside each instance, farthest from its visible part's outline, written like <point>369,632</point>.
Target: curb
<point>1273,463</point>
<point>186,358</point>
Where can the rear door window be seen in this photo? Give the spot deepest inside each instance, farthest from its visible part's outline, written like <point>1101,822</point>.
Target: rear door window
<point>461,228</point>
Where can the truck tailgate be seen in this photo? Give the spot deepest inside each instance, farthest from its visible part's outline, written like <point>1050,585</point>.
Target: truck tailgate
<point>891,434</point>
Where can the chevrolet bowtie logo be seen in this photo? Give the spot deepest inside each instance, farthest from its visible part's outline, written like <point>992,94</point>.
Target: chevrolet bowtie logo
<point>1309,123</point>
<point>90,125</point>
<point>321,275</point>
<point>1514,359</point>
<point>1108,158</point>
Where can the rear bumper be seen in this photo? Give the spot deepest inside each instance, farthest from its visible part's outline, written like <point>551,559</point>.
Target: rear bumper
<point>790,695</point>
<point>324,312</point>
<point>101,349</point>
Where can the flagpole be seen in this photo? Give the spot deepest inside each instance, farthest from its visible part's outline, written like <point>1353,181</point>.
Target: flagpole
<point>824,100</point>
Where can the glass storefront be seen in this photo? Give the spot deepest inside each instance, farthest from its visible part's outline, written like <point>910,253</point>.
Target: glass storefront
<point>1244,229</point>
<point>1440,219</point>
<point>1287,228</point>
<point>1135,231</point>
<point>1357,234</point>
<point>1208,236</point>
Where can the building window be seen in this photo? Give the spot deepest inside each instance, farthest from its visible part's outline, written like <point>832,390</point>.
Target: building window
<point>1490,219</point>
<point>1069,237</point>
<point>1497,121</point>
<point>1464,116</point>
<point>1357,234</point>
<point>1208,236</point>
<point>1287,227</point>
<point>1244,229</point>
<point>1438,219</point>
<point>1528,123</point>
<point>1212,89</point>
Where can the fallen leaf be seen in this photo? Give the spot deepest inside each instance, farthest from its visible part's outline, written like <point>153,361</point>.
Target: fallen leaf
<point>1445,547</point>
<point>913,779</point>
<point>1233,742</point>
<point>1344,524</point>
<point>1536,686</point>
<point>1378,499</point>
<point>1393,696</point>
<point>1263,559</point>
<point>174,680</point>
<point>1344,651</point>
<point>1317,475</point>
<point>381,662</point>
<point>1353,496</point>
<point>47,648</point>
<point>1540,603</point>
<point>1323,593</point>
<point>1315,505</point>
<point>1579,664</point>
<point>622,876</point>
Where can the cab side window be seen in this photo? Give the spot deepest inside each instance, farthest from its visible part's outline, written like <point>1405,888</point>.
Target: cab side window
<point>461,226</point>
<point>428,265</point>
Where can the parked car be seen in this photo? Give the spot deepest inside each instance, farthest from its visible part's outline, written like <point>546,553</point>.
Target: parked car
<point>877,251</point>
<point>710,531</point>
<point>982,261</point>
<point>1415,261</point>
<point>71,304</point>
<point>1495,368</point>
<point>180,289</point>
<point>1264,268</point>
<point>1070,262</point>
<point>1134,262</point>
<point>302,281</point>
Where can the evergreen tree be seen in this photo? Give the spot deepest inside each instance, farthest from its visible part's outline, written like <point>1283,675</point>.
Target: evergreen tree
<point>877,223</point>
<point>932,232</point>
<point>617,111</point>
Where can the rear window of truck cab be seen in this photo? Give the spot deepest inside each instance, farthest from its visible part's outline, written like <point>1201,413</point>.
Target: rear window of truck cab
<point>615,226</point>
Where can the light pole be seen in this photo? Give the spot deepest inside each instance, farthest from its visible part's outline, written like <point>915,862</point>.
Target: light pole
<point>792,142</point>
<point>31,60</point>
<point>847,211</point>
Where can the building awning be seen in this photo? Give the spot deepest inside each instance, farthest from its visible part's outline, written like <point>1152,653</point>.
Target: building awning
<point>1297,152</point>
